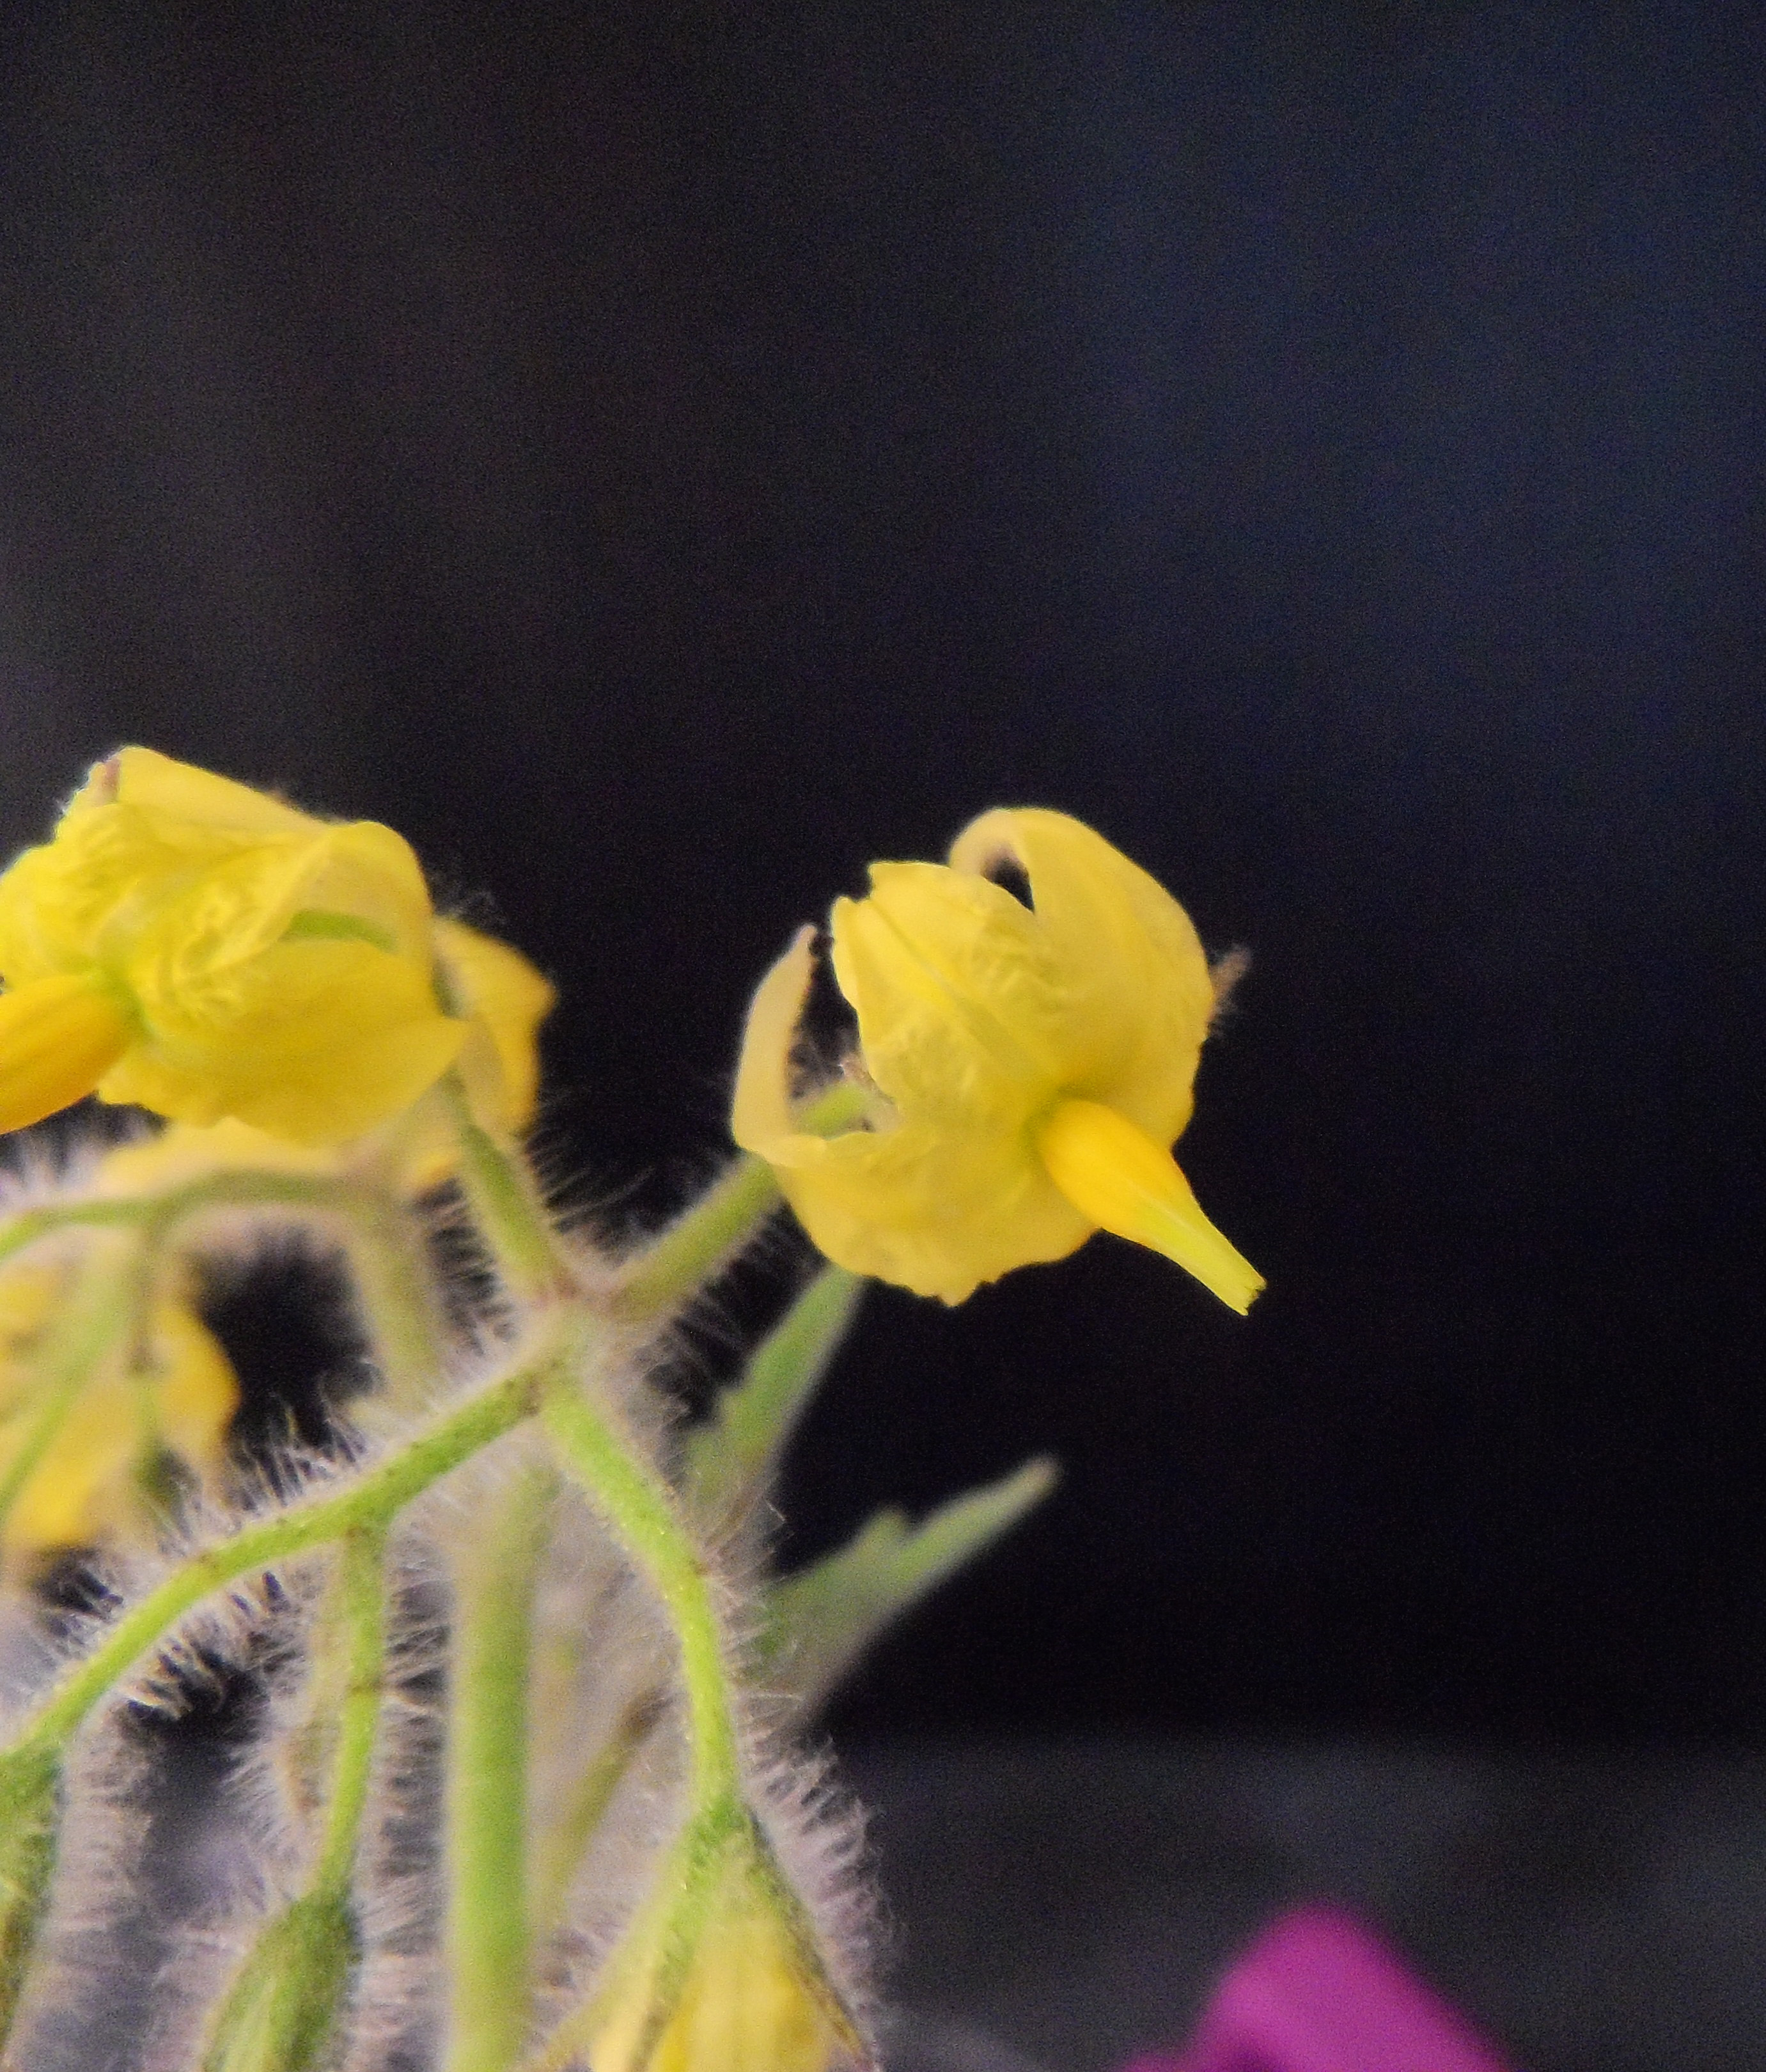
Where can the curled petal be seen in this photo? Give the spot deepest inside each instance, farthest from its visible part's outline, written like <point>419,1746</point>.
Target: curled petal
<point>760,1114</point>
<point>959,1005</point>
<point>1117,1176</point>
<point>1136,987</point>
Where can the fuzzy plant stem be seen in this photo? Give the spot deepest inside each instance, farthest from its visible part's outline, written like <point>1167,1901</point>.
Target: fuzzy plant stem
<point>489,1962</point>
<point>691,1250</point>
<point>361,1621</point>
<point>399,1305</point>
<point>636,1506</point>
<point>398,1299</point>
<point>567,1843</point>
<point>507,1208</point>
<point>287,2002</point>
<point>672,1268</point>
<point>635,1503</point>
<point>630,1494</point>
<point>371,1500</point>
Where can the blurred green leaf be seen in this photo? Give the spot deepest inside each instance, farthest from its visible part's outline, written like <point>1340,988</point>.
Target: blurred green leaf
<point>733,1456</point>
<point>818,1621</point>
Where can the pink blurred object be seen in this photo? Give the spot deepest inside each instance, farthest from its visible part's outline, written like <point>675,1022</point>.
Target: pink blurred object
<point>1317,1992</point>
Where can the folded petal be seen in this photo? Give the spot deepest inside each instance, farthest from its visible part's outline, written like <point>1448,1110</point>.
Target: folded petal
<point>1134,978</point>
<point>760,1112</point>
<point>316,1040</point>
<point>957,1004</point>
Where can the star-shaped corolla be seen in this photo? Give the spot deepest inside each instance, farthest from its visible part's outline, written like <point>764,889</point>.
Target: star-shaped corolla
<point>204,951</point>
<point>1027,1066</point>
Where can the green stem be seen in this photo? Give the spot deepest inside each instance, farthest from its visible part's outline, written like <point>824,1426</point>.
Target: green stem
<point>362,1605</point>
<point>105,1305</point>
<point>373,1497</point>
<point>24,1230</point>
<point>692,1248</point>
<point>566,1842</point>
<point>703,1239</point>
<point>636,1503</point>
<point>401,1305</point>
<point>507,1208</point>
<point>398,1291</point>
<point>486,1803</point>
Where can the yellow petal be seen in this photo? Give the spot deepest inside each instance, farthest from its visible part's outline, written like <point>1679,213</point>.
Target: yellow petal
<point>58,1039</point>
<point>86,1488</point>
<point>368,874</point>
<point>503,1000</point>
<point>316,1040</point>
<point>84,1485</point>
<point>938,1212</point>
<point>195,1389</point>
<point>1135,979</point>
<point>749,2002</point>
<point>1124,1182</point>
<point>197,797</point>
<point>760,1112</point>
<point>933,1209</point>
<point>958,1004</point>
<point>29,1297</point>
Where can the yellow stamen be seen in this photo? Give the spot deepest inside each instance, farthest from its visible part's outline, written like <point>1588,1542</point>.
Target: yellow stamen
<point>58,1036</point>
<point>1116,1174</point>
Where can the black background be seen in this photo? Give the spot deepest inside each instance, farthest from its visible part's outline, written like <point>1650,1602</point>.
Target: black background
<point>661,458</point>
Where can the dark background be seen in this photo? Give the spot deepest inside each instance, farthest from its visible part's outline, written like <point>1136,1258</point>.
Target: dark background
<point>661,458</point>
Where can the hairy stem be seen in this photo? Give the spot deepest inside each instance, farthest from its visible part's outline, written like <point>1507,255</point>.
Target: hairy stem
<point>489,1962</point>
<point>373,1498</point>
<point>566,1842</point>
<point>704,1239</point>
<point>692,1249</point>
<point>362,1620</point>
<point>507,1208</point>
<point>636,1504</point>
<point>401,1305</point>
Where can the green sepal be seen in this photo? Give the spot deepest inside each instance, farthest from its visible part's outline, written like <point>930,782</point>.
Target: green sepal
<point>818,1621</point>
<point>285,2005</point>
<point>29,1825</point>
<point>730,1459</point>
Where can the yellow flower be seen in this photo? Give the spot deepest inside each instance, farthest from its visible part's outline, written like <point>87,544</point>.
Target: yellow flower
<point>201,949</point>
<point>751,2000</point>
<point>1026,1067</point>
<point>95,1481</point>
